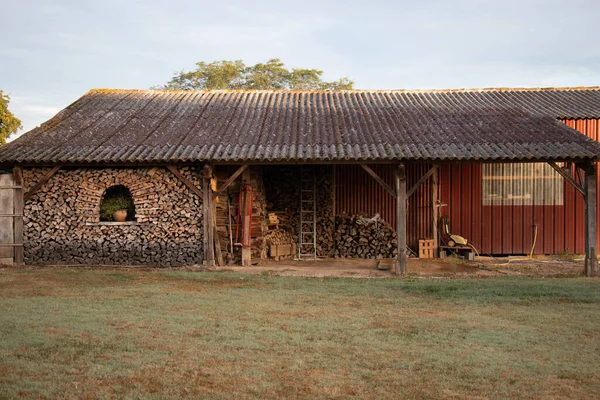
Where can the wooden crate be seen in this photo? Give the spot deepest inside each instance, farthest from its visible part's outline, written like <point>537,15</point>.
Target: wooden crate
<point>279,251</point>
<point>426,248</point>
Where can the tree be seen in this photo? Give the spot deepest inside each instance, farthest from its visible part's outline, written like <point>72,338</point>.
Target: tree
<point>236,75</point>
<point>9,124</point>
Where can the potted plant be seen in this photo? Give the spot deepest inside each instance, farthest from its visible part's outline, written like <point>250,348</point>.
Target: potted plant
<point>114,208</point>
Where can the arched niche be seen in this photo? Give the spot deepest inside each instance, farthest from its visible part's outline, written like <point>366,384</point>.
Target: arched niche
<point>114,198</point>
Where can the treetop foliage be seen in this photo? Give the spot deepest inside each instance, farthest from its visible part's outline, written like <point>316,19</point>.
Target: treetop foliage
<point>272,75</point>
<point>9,124</point>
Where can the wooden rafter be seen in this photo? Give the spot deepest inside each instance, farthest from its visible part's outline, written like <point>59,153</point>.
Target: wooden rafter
<point>41,182</point>
<point>185,181</point>
<point>379,180</point>
<point>413,189</point>
<point>229,181</point>
<point>568,177</point>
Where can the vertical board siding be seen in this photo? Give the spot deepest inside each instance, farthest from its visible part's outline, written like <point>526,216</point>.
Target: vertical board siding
<point>505,229</point>
<point>357,192</point>
<point>496,229</point>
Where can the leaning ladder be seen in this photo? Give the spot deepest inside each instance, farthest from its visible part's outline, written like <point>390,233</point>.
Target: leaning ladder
<point>307,239</point>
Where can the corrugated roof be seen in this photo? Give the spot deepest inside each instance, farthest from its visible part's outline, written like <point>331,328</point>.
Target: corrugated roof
<point>152,126</point>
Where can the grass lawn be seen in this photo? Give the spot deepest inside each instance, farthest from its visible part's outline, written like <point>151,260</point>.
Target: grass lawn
<point>85,333</point>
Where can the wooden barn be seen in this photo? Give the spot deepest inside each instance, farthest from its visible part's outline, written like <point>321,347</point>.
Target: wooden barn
<point>242,176</point>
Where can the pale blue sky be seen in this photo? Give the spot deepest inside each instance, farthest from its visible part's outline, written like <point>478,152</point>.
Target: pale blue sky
<point>53,52</point>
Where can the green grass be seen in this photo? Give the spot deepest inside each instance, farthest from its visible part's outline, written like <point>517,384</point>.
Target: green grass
<point>83,333</point>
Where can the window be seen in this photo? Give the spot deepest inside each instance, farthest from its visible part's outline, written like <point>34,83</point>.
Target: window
<point>116,198</point>
<point>521,184</point>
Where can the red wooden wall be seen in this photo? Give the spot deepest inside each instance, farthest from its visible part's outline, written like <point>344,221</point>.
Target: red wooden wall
<point>511,229</point>
<point>357,192</point>
<point>495,229</point>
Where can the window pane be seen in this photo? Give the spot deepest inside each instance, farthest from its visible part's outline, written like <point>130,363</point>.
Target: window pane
<point>521,184</point>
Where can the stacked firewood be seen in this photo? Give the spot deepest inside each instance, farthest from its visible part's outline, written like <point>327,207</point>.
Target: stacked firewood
<point>61,220</point>
<point>283,192</point>
<point>276,237</point>
<point>361,236</point>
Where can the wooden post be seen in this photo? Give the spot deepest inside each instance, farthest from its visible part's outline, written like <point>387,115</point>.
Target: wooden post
<point>591,223</point>
<point>434,211</point>
<point>246,220</point>
<point>208,209</point>
<point>401,197</point>
<point>7,226</point>
<point>18,204</point>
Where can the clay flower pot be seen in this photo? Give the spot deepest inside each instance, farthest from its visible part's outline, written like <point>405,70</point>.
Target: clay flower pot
<point>120,216</point>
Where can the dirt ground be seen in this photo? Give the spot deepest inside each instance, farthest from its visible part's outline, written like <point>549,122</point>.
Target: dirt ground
<point>448,267</point>
<point>556,266</point>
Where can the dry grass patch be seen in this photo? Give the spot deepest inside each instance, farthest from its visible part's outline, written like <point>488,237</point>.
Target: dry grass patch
<point>85,333</point>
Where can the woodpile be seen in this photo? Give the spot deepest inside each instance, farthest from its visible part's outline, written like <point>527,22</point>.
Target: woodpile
<point>278,237</point>
<point>61,219</point>
<point>283,198</point>
<point>361,236</point>
<point>227,210</point>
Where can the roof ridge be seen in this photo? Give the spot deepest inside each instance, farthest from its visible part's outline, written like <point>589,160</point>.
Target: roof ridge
<point>454,90</point>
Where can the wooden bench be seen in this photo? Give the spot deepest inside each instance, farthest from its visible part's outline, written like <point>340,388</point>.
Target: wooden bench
<point>465,252</point>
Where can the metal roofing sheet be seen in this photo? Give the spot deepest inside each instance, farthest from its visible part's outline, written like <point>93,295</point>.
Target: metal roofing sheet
<point>150,126</point>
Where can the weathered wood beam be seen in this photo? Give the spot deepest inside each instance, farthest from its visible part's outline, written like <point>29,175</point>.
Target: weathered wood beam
<point>218,252</point>
<point>18,206</point>
<point>41,182</point>
<point>208,220</point>
<point>591,223</point>
<point>401,199</point>
<point>378,179</point>
<point>413,189</point>
<point>229,181</point>
<point>567,177</point>
<point>246,222</point>
<point>580,176</point>
<point>185,181</point>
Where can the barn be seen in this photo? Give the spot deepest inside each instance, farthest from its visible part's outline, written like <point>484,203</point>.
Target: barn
<point>220,177</point>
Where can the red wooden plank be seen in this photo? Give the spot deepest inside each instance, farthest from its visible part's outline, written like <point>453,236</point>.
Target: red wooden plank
<point>444,194</point>
<point>517,230</point>
<point>476,204</point>
<point>466,207</point>
<point>569,217</point>
<point>538,222</point>
<point>456,196</point>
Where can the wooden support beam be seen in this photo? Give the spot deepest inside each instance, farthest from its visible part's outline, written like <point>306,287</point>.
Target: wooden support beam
<point>567,176</point>
<point>580,176</point>
<point>401,199</point>
<point>246,221</point>
<point>231,179</point>
<point>40,183</point>
<point>413,189</point>
<point>378,179</point>
<point>19,205</point>
<point>208,222</point>
<point>218,252</point>
<point>434,211</point>
<point>591,223</point>
<point>185,181</point>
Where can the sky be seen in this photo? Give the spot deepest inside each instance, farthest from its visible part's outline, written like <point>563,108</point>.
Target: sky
<point>55,51</point>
